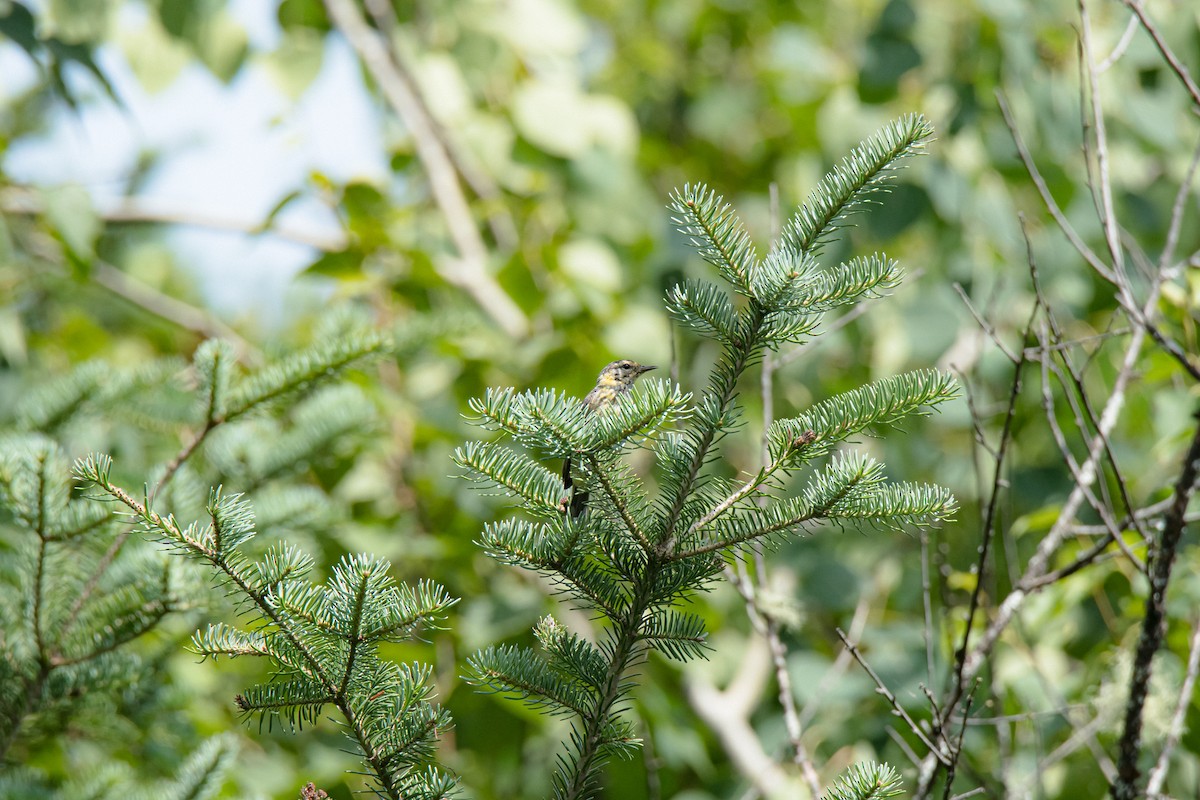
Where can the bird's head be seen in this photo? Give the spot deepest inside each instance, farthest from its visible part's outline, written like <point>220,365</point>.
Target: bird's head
<point>623,372</point>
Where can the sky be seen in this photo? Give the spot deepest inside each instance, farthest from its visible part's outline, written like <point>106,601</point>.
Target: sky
<point>228,151</point>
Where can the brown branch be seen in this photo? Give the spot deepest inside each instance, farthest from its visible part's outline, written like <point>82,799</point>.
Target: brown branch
<point>1154,624</point>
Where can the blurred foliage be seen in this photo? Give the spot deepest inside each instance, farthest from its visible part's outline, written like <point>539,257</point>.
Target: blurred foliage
<point>576,120</point>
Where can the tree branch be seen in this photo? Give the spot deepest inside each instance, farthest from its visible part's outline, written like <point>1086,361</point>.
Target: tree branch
<point>1154,624</point>
<point>470,270</point>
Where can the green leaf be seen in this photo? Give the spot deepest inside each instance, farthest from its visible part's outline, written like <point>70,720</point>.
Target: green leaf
<point>78,21</point>
<point>341,264</point>
<point>297,60</point>
<point>69,213</point>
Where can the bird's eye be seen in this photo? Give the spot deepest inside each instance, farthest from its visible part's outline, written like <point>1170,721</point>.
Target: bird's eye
<point>626,365</point>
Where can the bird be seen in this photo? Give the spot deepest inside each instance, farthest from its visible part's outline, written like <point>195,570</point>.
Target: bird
<point>614,380</point>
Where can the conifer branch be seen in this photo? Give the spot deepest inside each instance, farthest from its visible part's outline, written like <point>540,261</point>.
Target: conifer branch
<point>752,485</point>
<point>288,607</point>
<point>618,502</point>
<point>866,782</point>
<point>632,557</point>
<point>852,182</point>
<point>716,233</point>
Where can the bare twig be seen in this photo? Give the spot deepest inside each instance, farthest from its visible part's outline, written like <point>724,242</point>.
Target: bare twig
<point>1168,54</point>
<point>956,750</point>
<point>940,752</point>
<point>18,200</point>
<point>927,606</point>
<point>1051,204</point>
<point>989,517</point>
<point>470,272</point>
<point>499,220</point>
<point>770,630</point>
<point>1102,509</point>
<point>1108,217</point>
<point>1177,212</point>
<point>1158,775</point>
<point>1120,48</point>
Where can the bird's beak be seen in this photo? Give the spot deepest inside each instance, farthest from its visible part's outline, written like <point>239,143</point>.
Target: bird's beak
<point>645,368</point>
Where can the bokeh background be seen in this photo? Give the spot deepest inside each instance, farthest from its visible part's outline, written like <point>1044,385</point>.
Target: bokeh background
<point>172,169</point>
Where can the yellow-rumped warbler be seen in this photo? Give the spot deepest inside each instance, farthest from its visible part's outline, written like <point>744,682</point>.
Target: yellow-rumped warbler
<point>615,380</point>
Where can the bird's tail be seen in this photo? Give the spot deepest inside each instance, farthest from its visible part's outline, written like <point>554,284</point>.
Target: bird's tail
<point>574,499</point>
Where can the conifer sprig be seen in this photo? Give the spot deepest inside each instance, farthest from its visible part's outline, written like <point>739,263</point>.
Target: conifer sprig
<point>853,183</point>
<point>637,551</point>
<point>867,781</point>
<point>65,631</point>
<point>323,640</point>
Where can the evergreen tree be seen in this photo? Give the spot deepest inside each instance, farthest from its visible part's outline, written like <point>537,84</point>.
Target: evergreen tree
<point>647,541</point>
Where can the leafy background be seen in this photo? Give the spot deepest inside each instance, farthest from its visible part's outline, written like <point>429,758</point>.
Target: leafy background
<point>576,120</point>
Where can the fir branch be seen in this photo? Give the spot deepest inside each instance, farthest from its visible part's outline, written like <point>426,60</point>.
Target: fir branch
<point>302,371</point>
<point>214,363</point>
<point>299,701</point>
<point>852,183</point>
<point>618,502</point>
<point>315,635</point>
<point>703,307</point>
<point>521,673</point>
<point>202,774</point>
<point>868,781</point>
<point>789,450</point>
<point>676,635</point>
<point>716,232</point>
<point>884,402</point>
<point>571,655</point>
<point>219,639</point>
<point>51,405</point>
<point>632,557</point>
<point>858,279</point>
<point>517,474</point>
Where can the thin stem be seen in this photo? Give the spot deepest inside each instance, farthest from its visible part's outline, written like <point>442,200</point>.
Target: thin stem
<point>882,689</point>
<point>1158,775</point>
<point>1108,217</point>
<point>1039,182</point>
<point>470,273</point>
<point>1168,54</point>
<point>989,519</point>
